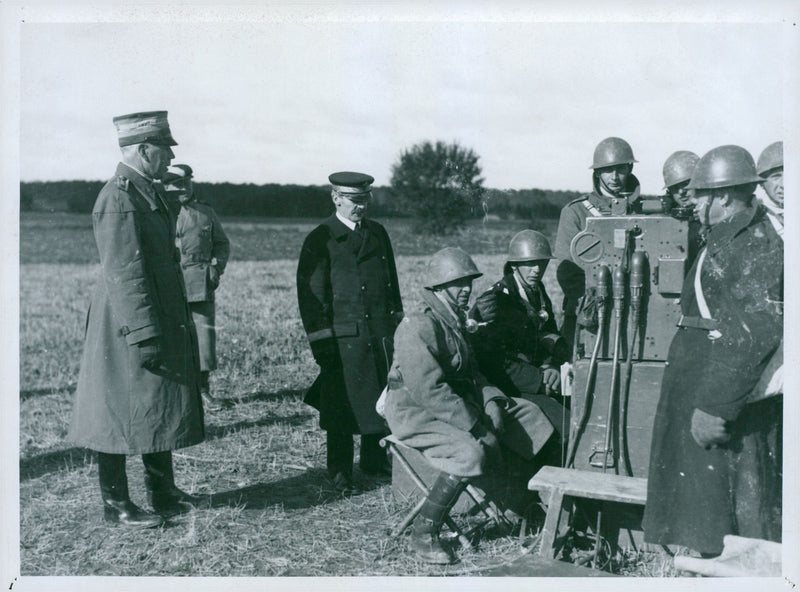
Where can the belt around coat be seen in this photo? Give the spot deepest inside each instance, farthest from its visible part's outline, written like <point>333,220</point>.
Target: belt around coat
<point>698,323</point>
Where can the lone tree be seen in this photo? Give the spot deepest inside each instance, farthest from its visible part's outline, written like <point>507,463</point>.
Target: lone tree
<point>440,184</point>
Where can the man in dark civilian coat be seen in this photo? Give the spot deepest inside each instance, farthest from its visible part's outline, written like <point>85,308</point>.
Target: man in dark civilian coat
<point>138,387</point>
<point>349,300</point>
<point>714,466</point>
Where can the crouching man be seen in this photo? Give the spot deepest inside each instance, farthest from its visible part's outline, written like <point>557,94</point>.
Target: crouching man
<point>440,404</point>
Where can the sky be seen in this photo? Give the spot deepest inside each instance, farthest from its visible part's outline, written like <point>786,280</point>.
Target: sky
<point>292,101</point>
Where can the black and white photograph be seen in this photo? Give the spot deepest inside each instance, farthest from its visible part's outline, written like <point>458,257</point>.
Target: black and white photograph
<point>362,290</point>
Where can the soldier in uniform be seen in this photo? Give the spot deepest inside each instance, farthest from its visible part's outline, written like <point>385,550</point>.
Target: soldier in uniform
<point>677,201</point>
<point>349,300</point>
<point>204,249</point>
<point>516,340</point>
<point>439,403</point>
<point>612,180</point>
<point>713,465</point>
<point>138,389</point>
<point>770,168</point>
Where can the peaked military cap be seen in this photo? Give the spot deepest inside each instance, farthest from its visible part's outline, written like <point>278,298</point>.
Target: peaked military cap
<point>177,172</point>
<point>148,126</point>
<point>354,186</point>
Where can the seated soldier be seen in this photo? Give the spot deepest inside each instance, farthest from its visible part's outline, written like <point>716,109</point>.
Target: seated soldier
<point>439,403</point>
<point>516,341</point>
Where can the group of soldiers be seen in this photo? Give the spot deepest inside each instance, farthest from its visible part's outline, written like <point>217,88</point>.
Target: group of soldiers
<point>470,386</point>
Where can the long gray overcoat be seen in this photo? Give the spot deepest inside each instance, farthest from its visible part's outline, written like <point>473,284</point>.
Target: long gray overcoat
<point>119,406</point>
<point>200,239</point>
<point>437,395</point>
<point>697,496</point>
<point>347,290</point>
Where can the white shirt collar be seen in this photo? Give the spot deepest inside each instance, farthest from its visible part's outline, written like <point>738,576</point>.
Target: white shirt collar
<point>130,166</point>
<point>349,223</point>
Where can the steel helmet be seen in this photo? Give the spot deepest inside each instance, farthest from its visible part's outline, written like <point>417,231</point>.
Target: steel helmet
<point>679,167</point>
<point>724,166</point>
<point>771,158</point>
<point>448,265</point>
<point>528,245</point>
<point>611,152</point>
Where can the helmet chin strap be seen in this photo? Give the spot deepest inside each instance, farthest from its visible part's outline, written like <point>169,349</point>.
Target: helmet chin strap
<point>519,277</point>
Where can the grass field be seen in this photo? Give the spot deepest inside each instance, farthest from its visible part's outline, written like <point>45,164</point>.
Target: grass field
<point>263,459</point>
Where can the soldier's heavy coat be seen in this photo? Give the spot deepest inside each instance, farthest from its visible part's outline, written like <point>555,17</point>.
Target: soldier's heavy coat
<point>437,394</point>
<point>347,289</point>
<point>200,238</point>
<point>119,406</point>
<point>512,349</point>
<point>696,496</point>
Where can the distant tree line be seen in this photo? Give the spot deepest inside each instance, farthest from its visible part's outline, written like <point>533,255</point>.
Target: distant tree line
<point>296,201</point>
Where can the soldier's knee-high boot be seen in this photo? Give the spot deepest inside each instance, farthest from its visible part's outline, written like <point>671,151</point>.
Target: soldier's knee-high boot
<point>340,460</point>
<point>117,505</point>
<point>210,402</point>
<point>425,536</point>
<point>159,479</point>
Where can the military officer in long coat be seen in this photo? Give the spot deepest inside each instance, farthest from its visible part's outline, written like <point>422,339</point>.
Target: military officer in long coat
<point>205,250</point>
<point>138,389</point>
<point>613,182</point>
<point>714,467</point>
<point>440,403</point>
<point>349,300</point>
<point>516,340</point>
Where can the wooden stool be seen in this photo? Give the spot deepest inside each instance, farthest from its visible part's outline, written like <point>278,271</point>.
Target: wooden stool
<point>558,487</point>
<point>401,455</point>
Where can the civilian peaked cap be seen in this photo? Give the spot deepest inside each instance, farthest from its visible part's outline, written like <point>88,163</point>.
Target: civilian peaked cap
<point>354,186</point>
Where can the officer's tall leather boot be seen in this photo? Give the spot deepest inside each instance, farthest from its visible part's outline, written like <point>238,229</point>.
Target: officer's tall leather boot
<point>425,536</point>
<point>340,461</point>
<point>210,402</point>
<point>117,505</point>
<point>164,496</point>
<point>373,459</point>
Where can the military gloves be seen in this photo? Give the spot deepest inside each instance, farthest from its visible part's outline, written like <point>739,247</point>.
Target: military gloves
<point>487,306</point>
<point>150,353</point>
<point>708,430</point>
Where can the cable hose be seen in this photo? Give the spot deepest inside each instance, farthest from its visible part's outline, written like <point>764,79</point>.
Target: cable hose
<point>589,390</point>
<point>624,397</point>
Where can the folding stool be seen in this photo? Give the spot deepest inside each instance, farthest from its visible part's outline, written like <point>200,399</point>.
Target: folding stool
<point>401,455</point>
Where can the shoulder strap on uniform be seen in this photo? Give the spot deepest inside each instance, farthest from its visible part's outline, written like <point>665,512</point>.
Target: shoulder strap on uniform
<point>702,305</point>
<point>591,207</point>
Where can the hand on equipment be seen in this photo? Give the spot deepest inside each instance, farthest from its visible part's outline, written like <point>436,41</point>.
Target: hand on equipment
<point>487,306</point>
<point>708,430</point>
<point>150,354</point>
<point>495,413</point>
<point>325,352</point>
<point>551,381</point>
